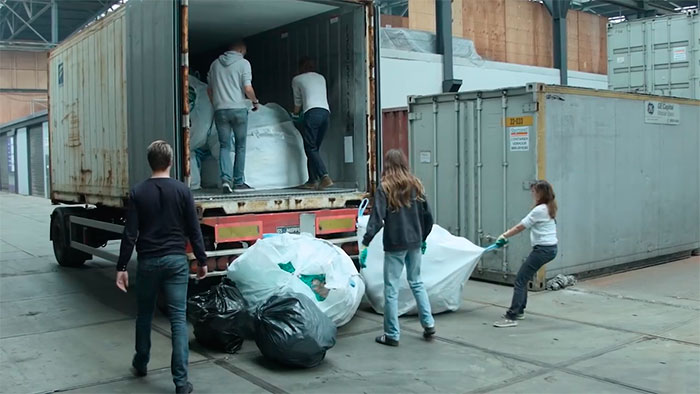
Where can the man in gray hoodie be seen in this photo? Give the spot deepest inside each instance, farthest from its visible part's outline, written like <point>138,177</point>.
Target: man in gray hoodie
<point>230,88</point>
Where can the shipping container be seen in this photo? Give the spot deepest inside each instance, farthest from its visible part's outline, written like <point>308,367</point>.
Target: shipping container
<point>122,82</point>
<point>624,167</point>
<point>660,55</point>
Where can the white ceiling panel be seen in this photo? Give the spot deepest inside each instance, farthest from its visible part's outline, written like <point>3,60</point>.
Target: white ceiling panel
<point>215,23</point>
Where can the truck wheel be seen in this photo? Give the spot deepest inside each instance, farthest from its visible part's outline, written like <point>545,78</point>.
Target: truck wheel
<point>65,255</point>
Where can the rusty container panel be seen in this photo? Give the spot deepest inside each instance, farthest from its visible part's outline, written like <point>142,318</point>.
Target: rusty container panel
<point>88,115</point>
<point>395,130</point>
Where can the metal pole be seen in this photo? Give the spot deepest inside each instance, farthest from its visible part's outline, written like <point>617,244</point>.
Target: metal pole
<point>54,22</point>
<point>443,28</point>
<point>504,108</point>
<point>377,96</point>
<point>558,9</point>
<point>436,164</point>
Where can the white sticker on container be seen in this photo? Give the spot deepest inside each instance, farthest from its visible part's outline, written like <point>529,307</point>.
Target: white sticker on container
<point>284,35</point>
<point>334,19</point>
<point>349,149</point>
<point>519,139</point>
<point>620,59</point>
<point>425,156</point>
<point>680,54</point>
<point>659,112</point>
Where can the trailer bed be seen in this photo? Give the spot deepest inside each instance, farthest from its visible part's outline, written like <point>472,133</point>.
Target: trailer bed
<point>275,200</point>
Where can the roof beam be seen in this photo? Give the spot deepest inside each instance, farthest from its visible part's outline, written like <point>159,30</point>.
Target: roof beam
<point>641,6</point>
<point>4,2</point>
<point>29,22</point>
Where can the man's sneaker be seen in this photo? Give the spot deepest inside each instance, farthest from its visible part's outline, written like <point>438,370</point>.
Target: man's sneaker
<point>186,389</point>
<point>325,183</point>
<point>242,187</point>
<point>428,332</point>
<point>308,186</point>
<point>505,323</point>
<point>227,189</point>
<point>520,316</point>
<point>138,372</point>
<point>384,340</point>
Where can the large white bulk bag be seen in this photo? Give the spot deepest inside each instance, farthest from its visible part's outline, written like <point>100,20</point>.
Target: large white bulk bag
<point>275,157</point>
<point>204,141</point>
<point>300,264</point>
<point>446,266</point>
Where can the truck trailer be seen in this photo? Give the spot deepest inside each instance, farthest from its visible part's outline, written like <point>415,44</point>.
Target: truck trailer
<point>122,82</point>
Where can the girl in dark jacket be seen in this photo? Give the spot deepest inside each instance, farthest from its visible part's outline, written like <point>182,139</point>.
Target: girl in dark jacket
<point>401,208</point>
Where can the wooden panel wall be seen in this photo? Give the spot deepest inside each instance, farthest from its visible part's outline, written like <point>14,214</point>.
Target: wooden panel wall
<point>520,31</point>
<point>484,22</point>
<point>22,70</point>
<point>18,105</point>
<point>592,43</point>
<point>421,15</point>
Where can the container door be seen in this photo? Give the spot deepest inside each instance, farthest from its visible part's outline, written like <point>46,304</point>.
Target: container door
<point>152,79</point>
<point>36,161</point>
<point>672,50</point>
<point>434,158</point>
<point>508,144</point>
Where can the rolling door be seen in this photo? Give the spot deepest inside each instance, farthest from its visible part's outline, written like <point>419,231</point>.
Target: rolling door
<point>36,161</point>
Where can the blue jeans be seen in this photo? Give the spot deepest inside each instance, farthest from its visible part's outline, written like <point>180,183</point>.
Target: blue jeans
<point>315,127</point>
<point>232,126</point>
<point>171,275</point>
<point>539,256</point>
<point>393,267</point>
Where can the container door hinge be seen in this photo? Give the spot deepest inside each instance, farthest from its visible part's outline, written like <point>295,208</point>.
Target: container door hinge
<point>184,60</point>
<point>531,107</point>
<point>185,2</point>
<point>186,121</point>
<point>415,116</point>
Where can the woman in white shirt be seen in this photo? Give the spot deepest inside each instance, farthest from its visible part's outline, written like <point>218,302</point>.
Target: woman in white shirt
<point>543,237</point>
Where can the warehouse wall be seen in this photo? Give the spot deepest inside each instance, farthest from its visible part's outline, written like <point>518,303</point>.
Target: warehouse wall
<point>519,31</point>
<point>425,73</point>
<point>23,83</point>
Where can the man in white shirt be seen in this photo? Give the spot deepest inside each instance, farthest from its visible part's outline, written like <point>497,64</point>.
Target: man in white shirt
<point>230,89</point>
<point>310,95</point>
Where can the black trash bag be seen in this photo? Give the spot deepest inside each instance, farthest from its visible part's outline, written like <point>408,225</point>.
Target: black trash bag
<point>291,330</point>
<point>220,317</point>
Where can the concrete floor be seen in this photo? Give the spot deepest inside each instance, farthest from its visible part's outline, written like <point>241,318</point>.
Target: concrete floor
<point>72,330</point>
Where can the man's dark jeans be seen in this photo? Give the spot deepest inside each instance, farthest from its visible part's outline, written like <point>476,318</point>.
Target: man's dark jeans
<point>539,256</point>
<point>316,122</point>
<point>171,275</point>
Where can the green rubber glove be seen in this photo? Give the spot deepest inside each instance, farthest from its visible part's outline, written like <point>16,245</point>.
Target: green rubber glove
<point>423,247</point>
<point>363,258</point>
<point>501,241</point>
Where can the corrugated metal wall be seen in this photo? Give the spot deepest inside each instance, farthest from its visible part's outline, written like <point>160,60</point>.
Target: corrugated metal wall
<point>336,41</point>
<point>89,151</point>
<point>113,92</point>
<point>151,65</point>
<point>395,130</point>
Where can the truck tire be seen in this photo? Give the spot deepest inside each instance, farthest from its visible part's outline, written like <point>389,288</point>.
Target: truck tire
<point>65,255</point>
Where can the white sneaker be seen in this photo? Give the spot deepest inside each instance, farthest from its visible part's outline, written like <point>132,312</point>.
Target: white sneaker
<point>505,323</point>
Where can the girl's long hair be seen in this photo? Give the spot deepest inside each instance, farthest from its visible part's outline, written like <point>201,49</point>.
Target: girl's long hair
<point>398,182</point>
<point>544,194</point>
